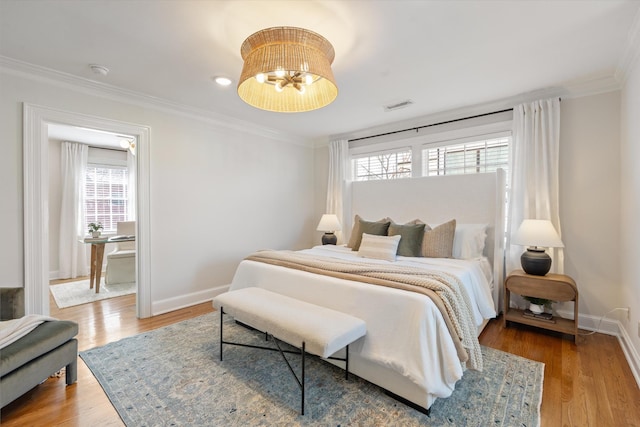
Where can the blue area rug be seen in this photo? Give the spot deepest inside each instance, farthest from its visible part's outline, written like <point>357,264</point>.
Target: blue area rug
<point>173,377</point>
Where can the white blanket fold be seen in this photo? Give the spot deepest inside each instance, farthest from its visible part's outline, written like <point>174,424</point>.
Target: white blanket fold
<point>12,330</point>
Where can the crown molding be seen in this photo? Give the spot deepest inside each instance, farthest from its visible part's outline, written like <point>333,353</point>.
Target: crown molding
<point>631,52</point>
<point>593,85</point>
<point>574,89</point>
<point>79,84</point>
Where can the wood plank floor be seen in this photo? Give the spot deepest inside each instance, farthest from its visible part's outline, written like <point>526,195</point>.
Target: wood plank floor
<point>588,384</point>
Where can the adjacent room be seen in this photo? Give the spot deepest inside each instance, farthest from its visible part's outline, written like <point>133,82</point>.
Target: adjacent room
<point>320,212</point>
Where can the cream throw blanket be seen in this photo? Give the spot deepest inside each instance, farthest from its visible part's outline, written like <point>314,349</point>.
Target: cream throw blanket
<point>444,289</point>
<point>12,330</point>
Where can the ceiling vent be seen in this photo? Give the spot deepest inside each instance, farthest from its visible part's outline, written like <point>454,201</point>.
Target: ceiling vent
<point>398,105</point>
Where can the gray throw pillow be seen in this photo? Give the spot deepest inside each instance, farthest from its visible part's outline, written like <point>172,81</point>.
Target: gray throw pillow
<point>410,240</point>
<point>374,228</point>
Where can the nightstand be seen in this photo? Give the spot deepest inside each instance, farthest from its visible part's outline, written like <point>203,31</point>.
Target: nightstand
<point>555,287</point>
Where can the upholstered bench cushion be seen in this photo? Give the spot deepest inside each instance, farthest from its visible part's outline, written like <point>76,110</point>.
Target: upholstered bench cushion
<point>41,340</point>
<point>323,330</point>
<point>121,254</point>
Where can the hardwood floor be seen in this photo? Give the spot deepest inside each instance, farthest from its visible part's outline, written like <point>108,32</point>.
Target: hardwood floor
<point>588,384</point>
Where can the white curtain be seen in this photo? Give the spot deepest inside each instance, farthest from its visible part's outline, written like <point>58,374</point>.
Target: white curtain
<point>73,260</point>
<point>337,187</point>
<point>132,171</point>
<point>534,184</point>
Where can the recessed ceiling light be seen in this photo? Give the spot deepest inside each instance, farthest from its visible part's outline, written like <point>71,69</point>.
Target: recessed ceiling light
<point>222,81</point>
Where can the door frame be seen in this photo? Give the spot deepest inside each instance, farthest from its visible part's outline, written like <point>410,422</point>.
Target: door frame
<point>36,201</point>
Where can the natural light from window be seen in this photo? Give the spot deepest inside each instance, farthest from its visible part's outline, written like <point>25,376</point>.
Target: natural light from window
<point>106,196</point>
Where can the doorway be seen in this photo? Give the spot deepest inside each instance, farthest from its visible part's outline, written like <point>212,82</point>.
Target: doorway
<point>36,201</point>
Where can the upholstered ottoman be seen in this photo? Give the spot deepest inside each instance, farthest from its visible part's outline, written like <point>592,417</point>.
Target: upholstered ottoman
<point>28,361</point>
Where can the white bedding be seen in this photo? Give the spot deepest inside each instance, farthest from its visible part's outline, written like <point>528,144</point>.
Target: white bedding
<point>395,319</point>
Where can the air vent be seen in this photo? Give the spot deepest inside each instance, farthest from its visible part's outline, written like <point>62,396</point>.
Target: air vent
<point>398,105</point>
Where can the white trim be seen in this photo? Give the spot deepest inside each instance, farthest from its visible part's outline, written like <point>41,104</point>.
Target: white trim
<point>610,327</point>
<point>36,202</point>
<point>594,85</point>
<point>630,353</point>
<point>188,300</point>
<point>631,51</point>
<point>90,87</point>
<point>419,139</point>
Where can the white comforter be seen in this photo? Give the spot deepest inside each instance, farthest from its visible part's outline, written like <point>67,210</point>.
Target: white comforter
<point>396,319</point>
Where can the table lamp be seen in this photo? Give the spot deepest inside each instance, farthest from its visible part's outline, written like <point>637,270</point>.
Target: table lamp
<point>329,224</point>
<point>537,234</point>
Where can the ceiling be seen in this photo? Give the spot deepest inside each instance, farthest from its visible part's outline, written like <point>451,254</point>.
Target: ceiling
<point>442,55</point>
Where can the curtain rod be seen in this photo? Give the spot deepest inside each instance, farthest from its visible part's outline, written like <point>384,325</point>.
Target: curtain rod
<point>417,128</point>
<point>107,148</point>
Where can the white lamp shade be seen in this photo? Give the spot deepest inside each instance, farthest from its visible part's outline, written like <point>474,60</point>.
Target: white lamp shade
<point>537,232</point>
<point>329,222</point>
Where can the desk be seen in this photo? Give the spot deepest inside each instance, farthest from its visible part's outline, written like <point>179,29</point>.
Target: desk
<point>97,256</point>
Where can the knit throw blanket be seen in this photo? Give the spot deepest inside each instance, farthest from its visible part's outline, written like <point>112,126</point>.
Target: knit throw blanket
<point>445,290</point>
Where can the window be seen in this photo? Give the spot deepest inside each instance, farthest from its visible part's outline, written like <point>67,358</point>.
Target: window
<point>471,157</point>
<point>106,195</point>
<point>477,144</point>
<point>389,165</point>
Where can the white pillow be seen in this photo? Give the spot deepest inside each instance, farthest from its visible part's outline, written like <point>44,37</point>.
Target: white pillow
<point>468,240</point>
<point>379,247</point>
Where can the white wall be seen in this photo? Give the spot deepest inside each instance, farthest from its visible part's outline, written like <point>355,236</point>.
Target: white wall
<point>590,199</point>
<point>217,194</point>
<point>630,194</point>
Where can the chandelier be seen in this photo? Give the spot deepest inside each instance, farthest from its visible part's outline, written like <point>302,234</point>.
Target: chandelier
<point>287,70</point>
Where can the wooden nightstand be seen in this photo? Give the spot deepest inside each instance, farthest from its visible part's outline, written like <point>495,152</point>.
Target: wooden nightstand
<point>555,287</point>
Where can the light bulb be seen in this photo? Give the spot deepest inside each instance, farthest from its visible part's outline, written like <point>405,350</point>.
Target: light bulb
<point>278,87</point>
<point>260,77</point>
<point>308,79</point>
<point>280,73</point>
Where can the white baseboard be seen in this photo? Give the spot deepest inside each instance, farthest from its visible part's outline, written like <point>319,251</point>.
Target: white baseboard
<point>55,275</point>
<point>182,301</point>
<point>610,327</point>
<point>630,353</point>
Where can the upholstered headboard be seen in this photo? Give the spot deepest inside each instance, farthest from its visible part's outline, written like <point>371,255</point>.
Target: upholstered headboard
<point>470,199</point>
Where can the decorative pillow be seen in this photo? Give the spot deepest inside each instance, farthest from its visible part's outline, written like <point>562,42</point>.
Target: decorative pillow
<point>412,236</point>
<point>379,247</point>
<point>378,228</point>
<point>438,242</point>
<point>469,240</point>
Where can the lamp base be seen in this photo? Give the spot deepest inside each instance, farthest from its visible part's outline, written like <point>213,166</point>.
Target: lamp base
<point>329,239</point>
<point>536,262</point>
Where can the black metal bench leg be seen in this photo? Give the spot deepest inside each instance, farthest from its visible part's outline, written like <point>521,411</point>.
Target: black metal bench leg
<point>303,352</point>
<point>346,374</point>
<point>221,314</point>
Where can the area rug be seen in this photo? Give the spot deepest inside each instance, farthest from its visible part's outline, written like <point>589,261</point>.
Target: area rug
<point>78,292</point>
<point>173,377</point>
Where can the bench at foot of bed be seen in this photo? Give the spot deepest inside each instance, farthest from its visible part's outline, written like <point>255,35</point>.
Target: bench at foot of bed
<point>311,328</point>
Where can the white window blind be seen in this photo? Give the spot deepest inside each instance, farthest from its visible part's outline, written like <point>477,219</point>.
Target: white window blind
<point>382,165</point>
<point>106,195</point>
<point>478,156</point>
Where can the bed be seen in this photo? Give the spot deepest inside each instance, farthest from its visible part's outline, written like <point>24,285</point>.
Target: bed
<point>408,349</point>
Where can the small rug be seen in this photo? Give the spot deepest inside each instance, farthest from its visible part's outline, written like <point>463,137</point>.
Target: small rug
<point>173,377</point>
<point>76,293</point>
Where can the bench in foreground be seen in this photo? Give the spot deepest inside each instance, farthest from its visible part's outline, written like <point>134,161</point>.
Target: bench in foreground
<point>310,328</point>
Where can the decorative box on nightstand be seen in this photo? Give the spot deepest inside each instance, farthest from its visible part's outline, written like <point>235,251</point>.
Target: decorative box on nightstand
<point>554,287</point>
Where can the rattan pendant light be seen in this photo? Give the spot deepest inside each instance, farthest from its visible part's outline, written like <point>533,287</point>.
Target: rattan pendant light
<point>287,70</point>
